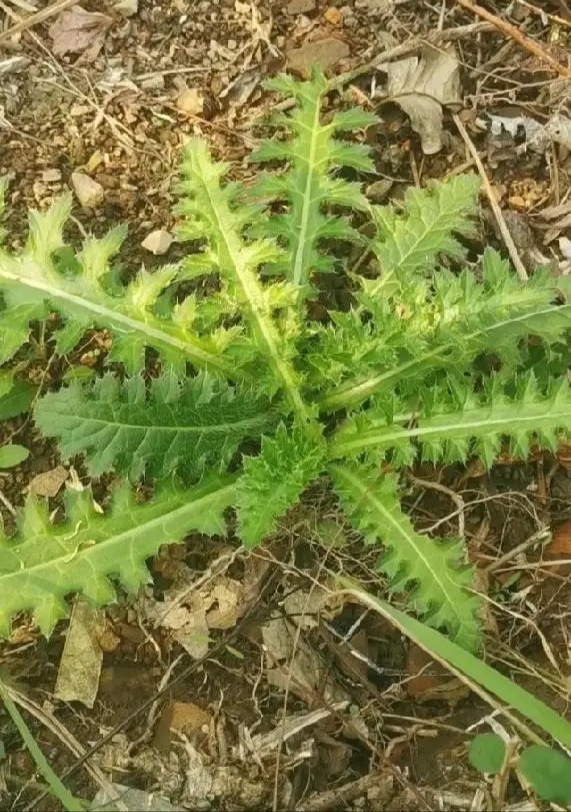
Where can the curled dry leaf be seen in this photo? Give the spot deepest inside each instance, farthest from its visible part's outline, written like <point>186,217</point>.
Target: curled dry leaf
<point>421,86</point>
<point>324,52</point>
<point>79,31</point>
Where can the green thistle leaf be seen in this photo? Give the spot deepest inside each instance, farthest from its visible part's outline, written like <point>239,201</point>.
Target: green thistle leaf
<point>46,562</point>
<point>434,571</point>
<point>307,187</point>
<point>178,426</point>
<point>273,481</point>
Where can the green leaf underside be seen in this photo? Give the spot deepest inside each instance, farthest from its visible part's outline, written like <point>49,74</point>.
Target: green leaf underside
<point>12,455</point>
<point>17,399</point>
<point>433,571</point>
<point>183,426</point>
<point>274,480</point>
<point>47,562</point>
<point>452,434</point>
<point>6,383</point>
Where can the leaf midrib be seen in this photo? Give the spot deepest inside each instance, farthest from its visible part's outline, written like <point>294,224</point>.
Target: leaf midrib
<point>409,541</point>
<point>110,318</point>
<point>210,428</point>
<point>250,287</point>
<point>299,264</point>
<point>123,536</point>
<point>365,439</point>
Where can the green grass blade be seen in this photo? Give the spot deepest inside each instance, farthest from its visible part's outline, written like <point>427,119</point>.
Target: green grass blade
<point>478,672</point>
<point>57,789</point>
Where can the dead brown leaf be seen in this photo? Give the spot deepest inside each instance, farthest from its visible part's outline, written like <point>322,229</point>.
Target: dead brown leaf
<point>324,52</point>
<point>79,31</point>
<point>422,86</point>
<point>554,220</point>
<point>49,483</point>
<point>560,548</point>
<point>430,681</point>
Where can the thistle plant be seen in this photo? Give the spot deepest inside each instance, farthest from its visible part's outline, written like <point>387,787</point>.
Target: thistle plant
<point>355,398</point>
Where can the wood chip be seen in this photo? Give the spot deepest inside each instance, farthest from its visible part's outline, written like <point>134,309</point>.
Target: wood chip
<point>300,7</point>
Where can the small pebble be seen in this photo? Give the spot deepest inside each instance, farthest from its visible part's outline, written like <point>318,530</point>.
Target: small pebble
<point>127,7</point>
<point>51,175</point>
<point>89,193</point>
<point>300,6</point>
<point>190,101</point>
<point>158,242</point>
<point>156,82</point>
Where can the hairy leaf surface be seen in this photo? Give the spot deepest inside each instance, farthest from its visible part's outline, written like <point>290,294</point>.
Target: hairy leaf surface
<point>274,480</point>
<point>183,426</point>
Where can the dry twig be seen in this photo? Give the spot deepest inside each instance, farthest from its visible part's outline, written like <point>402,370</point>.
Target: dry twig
<point>412,44</point>
<point>522,39</point>
<point>553,17</point>
<point>35,19</point>
<point>504,231</point>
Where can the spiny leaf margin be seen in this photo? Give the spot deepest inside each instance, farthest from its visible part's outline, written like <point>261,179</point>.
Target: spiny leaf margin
<point>433,572</point>
<point>45,562</point>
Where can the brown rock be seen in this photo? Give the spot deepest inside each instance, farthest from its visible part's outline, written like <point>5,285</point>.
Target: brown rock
<point>181,717</point>
<point>333,16</point>
<point>324,52</point>
<point>89,193</point>
<point>300,6</point>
